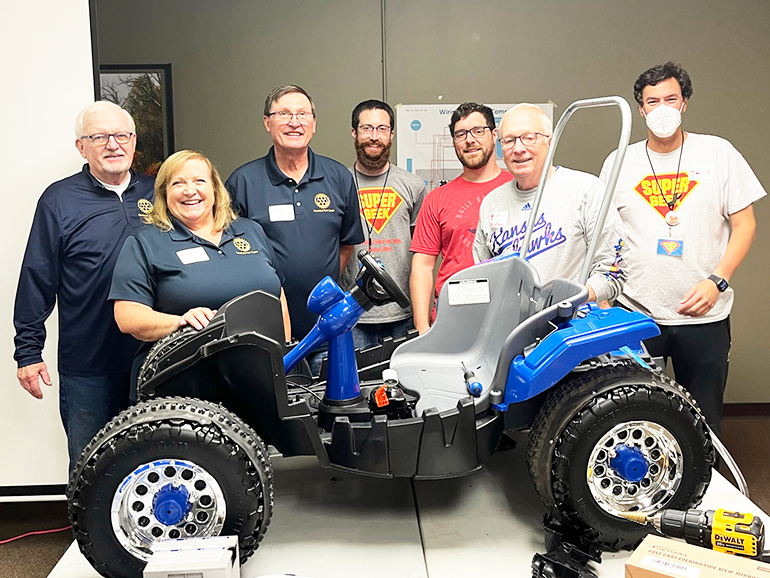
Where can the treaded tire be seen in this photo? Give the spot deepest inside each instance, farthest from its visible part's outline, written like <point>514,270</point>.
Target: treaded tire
<point>160,349</point>
<point>581,413</point>
<point>192,431</point>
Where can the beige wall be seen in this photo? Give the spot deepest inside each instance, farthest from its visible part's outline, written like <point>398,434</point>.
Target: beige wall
<point>226,56</point>
<point>47,71</point>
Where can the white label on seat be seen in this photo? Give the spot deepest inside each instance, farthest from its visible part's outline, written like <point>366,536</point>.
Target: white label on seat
<point>468,291</point>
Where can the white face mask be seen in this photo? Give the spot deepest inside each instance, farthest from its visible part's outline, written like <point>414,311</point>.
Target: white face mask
<point>664,120</point>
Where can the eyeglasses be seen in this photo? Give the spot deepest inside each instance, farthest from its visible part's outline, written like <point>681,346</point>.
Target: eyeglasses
<point>367,129</point>
<point>303,116</point>
<point>103,139</point>
<point>476,131</point>
<point>527,139</point>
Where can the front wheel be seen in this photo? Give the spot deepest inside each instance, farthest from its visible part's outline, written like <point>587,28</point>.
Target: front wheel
<point>618,439</point>
<point>169,468</point>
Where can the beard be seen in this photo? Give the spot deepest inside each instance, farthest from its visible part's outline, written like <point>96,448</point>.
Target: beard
<point>372,162</point>
<point>478,162</point>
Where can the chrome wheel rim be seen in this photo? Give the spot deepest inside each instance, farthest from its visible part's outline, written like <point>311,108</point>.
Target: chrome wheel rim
<point>665,467</point>
<point>134,521</point>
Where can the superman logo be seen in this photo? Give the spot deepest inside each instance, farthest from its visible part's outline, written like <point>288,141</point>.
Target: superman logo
<point>378,205</point>
<point>648,189</point>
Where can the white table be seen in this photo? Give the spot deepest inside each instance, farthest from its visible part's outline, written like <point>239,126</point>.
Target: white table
<point>328,524</point>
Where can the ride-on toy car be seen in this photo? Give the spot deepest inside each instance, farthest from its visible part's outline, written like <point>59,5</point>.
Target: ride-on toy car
<point>608,434</point>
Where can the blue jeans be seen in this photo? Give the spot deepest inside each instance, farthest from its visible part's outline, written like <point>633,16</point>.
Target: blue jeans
<point>86,404</point>
<point>371,334</point>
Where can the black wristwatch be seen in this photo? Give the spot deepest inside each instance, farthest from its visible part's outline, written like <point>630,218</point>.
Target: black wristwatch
<point>722,285</point>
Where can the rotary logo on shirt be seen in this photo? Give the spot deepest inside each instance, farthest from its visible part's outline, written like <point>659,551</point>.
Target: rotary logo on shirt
<point>322,203</point>
<point>378,205</point>
<point>144,205</point>
<point>649,190</point>
<point>243,247</point>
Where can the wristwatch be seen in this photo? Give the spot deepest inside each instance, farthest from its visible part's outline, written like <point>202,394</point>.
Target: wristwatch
<point>722,285</point>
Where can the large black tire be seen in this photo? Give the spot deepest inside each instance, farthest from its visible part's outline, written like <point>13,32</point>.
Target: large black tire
<point>211,454</point>
<point>588,417</point>
<point>159,350</point>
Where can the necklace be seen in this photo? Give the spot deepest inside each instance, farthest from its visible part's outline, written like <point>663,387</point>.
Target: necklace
<point>370,226</point>
<point>672,218</point>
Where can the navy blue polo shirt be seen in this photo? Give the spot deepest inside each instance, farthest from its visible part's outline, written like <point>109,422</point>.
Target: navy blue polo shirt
<point>77,232</point>
<point>306,222</point>
<point>175,271</point>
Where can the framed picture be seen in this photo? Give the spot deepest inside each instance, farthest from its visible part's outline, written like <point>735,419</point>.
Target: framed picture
<point>144,90</point>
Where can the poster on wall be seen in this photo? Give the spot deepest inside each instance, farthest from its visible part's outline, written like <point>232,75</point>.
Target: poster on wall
<point>144,90</point>
<point>425,146</point>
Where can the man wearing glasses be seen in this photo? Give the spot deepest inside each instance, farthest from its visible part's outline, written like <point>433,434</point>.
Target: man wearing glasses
<point>565,226</point>
<point>686,200</point>
<point>307,204</point>
<point>78,230</point>
<point>448,217</point>
<point>390,200</point>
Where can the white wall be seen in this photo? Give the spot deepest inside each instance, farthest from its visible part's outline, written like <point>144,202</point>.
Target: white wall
<point>45,48</point>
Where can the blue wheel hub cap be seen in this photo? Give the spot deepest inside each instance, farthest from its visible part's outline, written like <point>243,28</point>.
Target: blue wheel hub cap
<point>629,463</point>
<point>171,504</point>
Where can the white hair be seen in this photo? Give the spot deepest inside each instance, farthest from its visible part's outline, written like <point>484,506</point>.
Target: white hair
<point>97,106</point>
<point>533,108</point>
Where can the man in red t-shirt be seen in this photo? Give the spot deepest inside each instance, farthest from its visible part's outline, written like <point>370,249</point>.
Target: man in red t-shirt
<point>447,221</point>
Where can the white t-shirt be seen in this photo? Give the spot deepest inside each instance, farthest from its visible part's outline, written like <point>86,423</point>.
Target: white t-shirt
<point>665,261</point>
<point>562,232</point>
<point>117,189</point>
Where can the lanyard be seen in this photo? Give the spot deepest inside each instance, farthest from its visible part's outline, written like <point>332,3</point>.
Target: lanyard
<point>675,197</point>
<point>370,226</point>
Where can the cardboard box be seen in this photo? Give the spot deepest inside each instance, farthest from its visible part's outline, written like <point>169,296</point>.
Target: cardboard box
<point>658,557</point>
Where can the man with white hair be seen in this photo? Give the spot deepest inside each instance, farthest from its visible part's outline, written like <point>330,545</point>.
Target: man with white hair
<point>79,227</point>
<point>565,226</point>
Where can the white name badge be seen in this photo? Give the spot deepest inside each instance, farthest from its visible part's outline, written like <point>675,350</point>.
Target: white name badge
<point>468,291</point>
<point>194,255</point>
<point>701,173</point>
<point>281,213</point>
<point>497,219</point>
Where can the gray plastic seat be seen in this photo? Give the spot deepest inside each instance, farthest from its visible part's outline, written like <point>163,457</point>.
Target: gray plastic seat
<point>484,337</point>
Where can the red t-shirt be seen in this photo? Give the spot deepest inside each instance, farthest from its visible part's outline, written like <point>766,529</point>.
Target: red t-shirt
<point>447,223</point>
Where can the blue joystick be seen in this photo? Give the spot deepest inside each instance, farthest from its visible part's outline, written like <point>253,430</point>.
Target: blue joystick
<point>629,463</point>
<point>171,504</point>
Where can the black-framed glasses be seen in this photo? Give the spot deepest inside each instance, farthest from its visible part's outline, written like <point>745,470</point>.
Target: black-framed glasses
<point>102,139</point>
<point>368,129</point>
<point>303,116</point>
<point>476,131</point>
<point>527,139</point>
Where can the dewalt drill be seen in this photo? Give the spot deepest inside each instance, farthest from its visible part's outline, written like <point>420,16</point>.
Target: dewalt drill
<point>720,530</point>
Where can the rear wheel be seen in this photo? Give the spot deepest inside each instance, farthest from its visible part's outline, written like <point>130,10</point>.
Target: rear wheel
<point>169,468</point>
<point>618,439</point>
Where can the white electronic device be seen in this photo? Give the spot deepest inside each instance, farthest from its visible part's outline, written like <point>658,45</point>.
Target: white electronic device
<point>210,557</point>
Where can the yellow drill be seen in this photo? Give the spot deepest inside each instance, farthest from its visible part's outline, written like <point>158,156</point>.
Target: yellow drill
<point>720,530</point>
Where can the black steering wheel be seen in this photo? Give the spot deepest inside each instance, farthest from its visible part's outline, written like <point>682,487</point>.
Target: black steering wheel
<point>371,270</point>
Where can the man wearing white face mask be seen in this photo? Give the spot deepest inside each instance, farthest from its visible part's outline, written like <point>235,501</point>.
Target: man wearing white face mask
<point>686,202</point>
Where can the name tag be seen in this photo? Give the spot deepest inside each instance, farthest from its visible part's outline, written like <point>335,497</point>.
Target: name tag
<point>281,213</point>
<point>194,255</point>
<point>497,219</point>
<point>670,247</point>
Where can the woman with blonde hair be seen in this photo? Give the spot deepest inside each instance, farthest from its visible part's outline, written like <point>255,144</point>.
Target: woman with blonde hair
<point>193,255</point>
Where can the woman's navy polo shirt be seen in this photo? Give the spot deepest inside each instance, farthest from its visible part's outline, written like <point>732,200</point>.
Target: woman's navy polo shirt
<point>175,271</point>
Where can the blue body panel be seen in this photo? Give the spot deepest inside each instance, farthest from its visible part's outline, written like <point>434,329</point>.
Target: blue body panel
<point>599,332</point>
